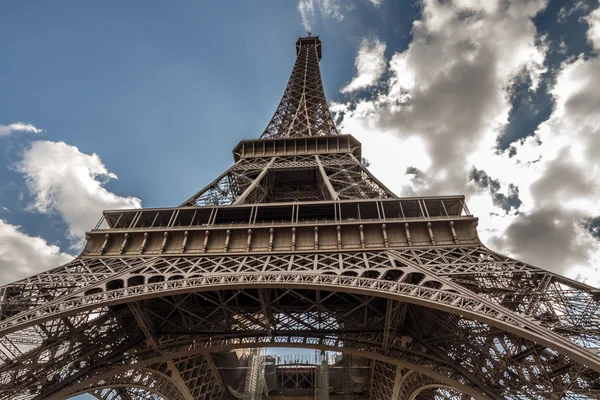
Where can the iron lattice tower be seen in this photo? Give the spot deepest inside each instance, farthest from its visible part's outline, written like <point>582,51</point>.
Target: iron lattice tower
<point>298,245</point>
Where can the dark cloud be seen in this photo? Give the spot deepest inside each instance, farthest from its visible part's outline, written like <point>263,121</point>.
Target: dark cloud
<point>483,179</point>
<point>418,177</point>
<point>562,230</point>
<point>510,201</point>
<point>547,237</point>
<point>457,75</point>
<point>338,117</point>
<point>450,112</point>
<point>561,180</point>
<point>506,202</point>
<point>414,171</point>
<point>592,225</point>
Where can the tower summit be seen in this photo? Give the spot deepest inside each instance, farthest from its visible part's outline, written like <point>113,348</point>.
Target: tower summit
<point>298,245</point>
<point>303,110</point>
<point>310,40</point>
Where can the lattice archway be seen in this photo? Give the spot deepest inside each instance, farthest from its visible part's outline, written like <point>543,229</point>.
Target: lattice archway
<point>437,392</point>
<point>414,352</point>
<point>453,299</point>
<point>385,366</point>
<point>394,382</point>
<point>416,386</point>
<point>489,339</point>
<point>139,382</point>
<point>121,392</point>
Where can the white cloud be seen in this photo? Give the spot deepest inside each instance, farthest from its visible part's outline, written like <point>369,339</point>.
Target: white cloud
<point>565,184</point>
<point>564,13</point>
<point>370,65</point>
<point>329,8</point>
<point>376,3</point>
<point>6,130</point>
<point>593,33</point>
<point>307,13</point>
<point>70,183</point>
<point>22,255</point>
<point>448,89</point>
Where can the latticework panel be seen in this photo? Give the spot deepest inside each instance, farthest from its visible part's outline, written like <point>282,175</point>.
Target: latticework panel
<point>333,299</point>
<point>303,109</point>
<point>198,377</point>
<point>136,383</point>
<point>351,180</point>
<point>384,378</point>
<point>230,185</point>
<point>126,393</point>
<point>414,386</point>
<point>292,178</point>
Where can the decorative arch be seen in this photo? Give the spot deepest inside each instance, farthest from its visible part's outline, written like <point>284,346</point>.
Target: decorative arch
<point>459,303</point>
<point>416,386</point>
<point>115,374</point>
<point>296,276</point>
<point>136,381</point>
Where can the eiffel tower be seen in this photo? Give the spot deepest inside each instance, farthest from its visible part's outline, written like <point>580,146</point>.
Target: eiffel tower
<point>298,245</point>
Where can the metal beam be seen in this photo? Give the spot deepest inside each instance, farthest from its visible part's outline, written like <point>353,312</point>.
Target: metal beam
<point>397,384</point>
<point>240,199</point>
<point>145,325</point>
<point>332,192</point>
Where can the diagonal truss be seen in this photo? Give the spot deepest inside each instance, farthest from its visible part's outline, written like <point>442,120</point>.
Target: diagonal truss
<point>298,245</point>
<point>276,179</point>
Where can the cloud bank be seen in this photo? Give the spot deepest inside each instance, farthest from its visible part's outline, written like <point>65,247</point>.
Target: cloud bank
<point>434,123</point>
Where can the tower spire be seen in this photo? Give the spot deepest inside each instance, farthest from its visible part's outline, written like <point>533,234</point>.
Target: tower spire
<point>303,109</point>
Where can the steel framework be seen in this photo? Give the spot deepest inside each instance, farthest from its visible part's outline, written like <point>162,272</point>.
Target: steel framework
<point>298,245</point>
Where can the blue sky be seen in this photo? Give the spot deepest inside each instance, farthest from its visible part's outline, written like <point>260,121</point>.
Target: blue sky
<point>497,100</point>
<point>160,92</point>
